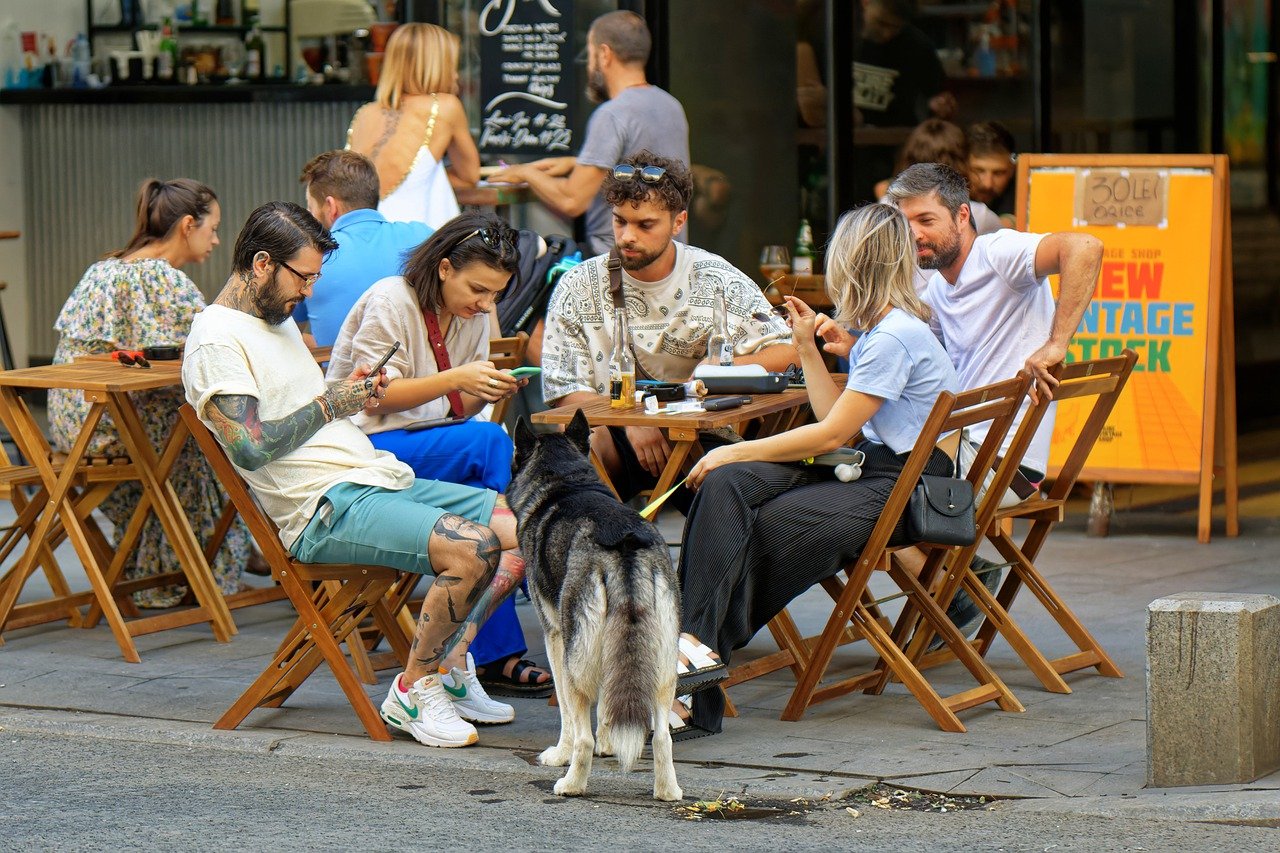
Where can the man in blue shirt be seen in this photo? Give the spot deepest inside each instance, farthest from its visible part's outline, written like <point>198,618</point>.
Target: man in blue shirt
<point>342,192</point>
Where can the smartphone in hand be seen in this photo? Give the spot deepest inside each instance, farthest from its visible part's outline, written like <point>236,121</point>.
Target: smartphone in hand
<point>522,372</point>
<point>377,368</point>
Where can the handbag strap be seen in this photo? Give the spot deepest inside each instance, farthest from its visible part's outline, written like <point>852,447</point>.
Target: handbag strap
<point>613,264</point>
<point>441,352</point>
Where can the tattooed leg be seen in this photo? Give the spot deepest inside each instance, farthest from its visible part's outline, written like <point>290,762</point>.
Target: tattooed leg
<point>465,557</point>
<point>505,580</point>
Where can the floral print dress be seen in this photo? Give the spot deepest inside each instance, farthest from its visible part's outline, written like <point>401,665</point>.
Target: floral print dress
<point>131,305</point>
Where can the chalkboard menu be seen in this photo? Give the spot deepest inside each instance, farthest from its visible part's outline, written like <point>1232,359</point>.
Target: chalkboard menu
<point>526,77</point>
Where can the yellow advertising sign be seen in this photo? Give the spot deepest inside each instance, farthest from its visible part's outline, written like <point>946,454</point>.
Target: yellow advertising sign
<point>1153,296</point>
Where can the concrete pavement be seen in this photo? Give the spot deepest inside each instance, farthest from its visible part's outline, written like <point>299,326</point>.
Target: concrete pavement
<point>1078,753</point>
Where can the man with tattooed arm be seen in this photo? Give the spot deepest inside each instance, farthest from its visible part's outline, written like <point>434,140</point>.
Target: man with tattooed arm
<point>334,497</point>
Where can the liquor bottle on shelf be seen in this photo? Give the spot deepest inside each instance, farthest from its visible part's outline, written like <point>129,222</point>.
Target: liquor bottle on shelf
<point>802,255</point>
<point>622,365</point>
<point>167,62</point>
<point>255,61</point>
<point>719,346</point>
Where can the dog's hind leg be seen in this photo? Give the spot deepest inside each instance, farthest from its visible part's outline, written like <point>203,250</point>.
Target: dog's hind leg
<point>558,755</point>
<point>665,786</point>
<point>575,706</point>
<point>604,745</point>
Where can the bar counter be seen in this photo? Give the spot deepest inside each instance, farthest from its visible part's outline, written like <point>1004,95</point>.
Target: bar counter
<point>85,151</point>
<point>236,93</point>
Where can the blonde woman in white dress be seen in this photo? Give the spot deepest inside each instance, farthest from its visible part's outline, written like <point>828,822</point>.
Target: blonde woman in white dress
<point>414,123</point>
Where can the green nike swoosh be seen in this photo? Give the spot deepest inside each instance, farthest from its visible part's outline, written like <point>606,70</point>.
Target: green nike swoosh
<point>412,712</point>
<point>459,692</point>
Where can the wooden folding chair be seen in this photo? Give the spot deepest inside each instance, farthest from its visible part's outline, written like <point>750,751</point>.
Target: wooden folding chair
<point>997,403</point>
<point>1103,380</point>
<point>331,601</point>
<point>92,485</point>
<point>506,354</point>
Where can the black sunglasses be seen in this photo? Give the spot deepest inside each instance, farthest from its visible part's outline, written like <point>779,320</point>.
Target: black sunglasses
<point>308,279</point>
<point>499,242</point>
<point>648,174</point>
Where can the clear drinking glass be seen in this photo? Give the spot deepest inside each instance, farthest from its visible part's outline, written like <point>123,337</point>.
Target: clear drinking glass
<point>775,264</point>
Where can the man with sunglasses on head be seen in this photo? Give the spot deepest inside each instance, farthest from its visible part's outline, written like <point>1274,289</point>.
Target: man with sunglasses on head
<point>632,115</point>
<point>336,499</point>
<point>671,292</point>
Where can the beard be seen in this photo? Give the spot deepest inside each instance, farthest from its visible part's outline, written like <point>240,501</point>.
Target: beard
<point>644,259</point>
<point>944,254</point>
<point>270,303</point>
<point>597,91</point>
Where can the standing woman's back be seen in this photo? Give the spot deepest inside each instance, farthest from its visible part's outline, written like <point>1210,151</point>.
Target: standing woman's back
<point>414,123</point>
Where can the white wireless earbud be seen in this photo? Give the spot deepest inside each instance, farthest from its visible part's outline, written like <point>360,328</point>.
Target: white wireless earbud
<point>847,473</point>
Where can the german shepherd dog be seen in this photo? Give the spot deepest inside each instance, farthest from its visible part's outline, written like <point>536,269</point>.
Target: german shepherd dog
<point>609,603</point>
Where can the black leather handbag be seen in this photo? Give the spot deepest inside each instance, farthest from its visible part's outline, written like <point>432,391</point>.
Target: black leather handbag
<point>941,510</point>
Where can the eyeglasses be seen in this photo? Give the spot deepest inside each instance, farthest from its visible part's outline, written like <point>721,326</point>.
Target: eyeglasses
<point>307,278</point>
<point>500,242</point>
<point>648,174</point>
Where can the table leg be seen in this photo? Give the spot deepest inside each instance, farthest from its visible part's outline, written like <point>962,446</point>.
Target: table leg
<point>165,504</point>
<point>136,522</point>
<point>17,419</point>
<point>675,464</point>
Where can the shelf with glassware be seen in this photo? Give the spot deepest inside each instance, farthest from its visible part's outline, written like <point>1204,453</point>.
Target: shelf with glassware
<point>205,42</point>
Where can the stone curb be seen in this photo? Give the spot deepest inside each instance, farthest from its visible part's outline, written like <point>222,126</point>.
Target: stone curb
<point>699,779</point>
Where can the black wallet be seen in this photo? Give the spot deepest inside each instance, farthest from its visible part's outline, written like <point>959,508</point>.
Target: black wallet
<point>663,392</point>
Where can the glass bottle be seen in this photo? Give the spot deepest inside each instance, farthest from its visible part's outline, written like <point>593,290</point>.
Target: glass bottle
<point>255,59</point>
<point>622,365</point>
<point>167,67</point>
<point>802,255</point>
<point>719,344</point>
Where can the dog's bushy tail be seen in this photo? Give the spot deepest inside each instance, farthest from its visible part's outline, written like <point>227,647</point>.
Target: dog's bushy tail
<point>640,629</point>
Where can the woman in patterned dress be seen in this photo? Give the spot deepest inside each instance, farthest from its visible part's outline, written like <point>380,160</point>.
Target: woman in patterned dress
<point>133,298</point>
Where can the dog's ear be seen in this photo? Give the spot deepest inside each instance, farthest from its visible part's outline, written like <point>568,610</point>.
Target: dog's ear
<point>579,432</point>
<point>526,438</point>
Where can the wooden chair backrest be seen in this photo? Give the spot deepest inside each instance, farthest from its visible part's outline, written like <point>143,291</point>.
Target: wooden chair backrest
<point>1104,379</point>
<point>997,403</point>
<point>264,531</point>
<point>507,354</point>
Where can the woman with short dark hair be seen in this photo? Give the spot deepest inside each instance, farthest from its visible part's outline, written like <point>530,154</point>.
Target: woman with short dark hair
<point>439,312</point>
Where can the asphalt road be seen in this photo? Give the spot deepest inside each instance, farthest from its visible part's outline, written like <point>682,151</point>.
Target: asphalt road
<point>83,793</point>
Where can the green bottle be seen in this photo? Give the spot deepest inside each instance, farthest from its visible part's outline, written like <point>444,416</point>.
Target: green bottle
<point>802,254</point>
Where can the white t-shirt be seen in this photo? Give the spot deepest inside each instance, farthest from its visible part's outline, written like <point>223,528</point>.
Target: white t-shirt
<point>670,321</point>
<point>994,316</point>
<point>900,361</point>
<point>231,352</point>
<point>389,312</point>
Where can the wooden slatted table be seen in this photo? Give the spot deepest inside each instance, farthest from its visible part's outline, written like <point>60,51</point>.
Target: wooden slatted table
<point>106,386</point>
<point>777,412</point>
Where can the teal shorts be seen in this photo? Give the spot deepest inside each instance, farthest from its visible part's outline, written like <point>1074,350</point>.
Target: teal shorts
<point>368,525</point>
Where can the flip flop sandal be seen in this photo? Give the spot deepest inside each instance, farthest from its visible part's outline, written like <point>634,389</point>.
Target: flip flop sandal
<point>684,729</point>
<point>497,684</point>
<point>701,672</point>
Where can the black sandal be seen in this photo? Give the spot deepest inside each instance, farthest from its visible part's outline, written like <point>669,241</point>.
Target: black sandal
<point>498,684</point>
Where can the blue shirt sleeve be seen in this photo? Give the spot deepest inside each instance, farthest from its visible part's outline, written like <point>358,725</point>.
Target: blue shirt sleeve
<point>880,366</point>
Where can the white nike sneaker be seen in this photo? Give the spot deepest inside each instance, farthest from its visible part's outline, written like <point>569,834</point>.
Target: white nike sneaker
<point>427,712</point>
<point>470,699</point>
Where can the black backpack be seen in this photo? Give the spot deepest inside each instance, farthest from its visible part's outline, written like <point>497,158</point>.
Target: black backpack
<point>526,300</point>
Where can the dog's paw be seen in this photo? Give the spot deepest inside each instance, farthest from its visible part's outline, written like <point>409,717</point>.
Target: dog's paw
<point>668,794</point>
<point>565,788</point>
<point>604,746</point>
<point>554,756</point>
